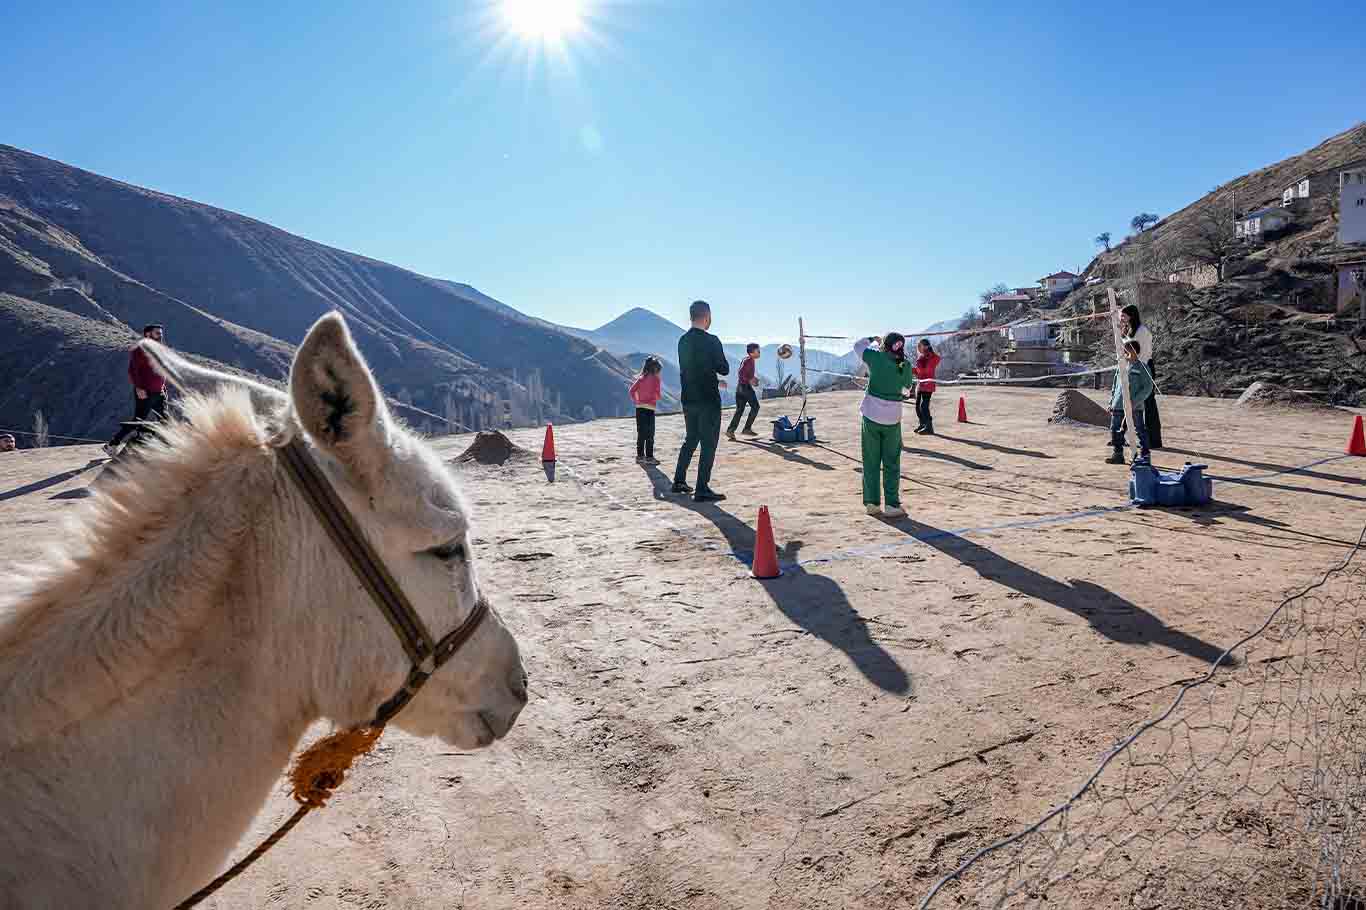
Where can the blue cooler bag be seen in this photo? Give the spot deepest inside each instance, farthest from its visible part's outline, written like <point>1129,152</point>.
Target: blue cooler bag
<point>783,431</point>
<point>1189,487</point>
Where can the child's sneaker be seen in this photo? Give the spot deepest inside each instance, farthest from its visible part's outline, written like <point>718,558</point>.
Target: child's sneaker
<point>894,512</point>
<point>872,510</point>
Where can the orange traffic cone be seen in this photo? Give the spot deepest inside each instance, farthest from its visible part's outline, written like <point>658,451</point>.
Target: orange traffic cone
<point>548,449</point>
<point>1357,445</point>
<point>765,552</point>
<point>962,409</point>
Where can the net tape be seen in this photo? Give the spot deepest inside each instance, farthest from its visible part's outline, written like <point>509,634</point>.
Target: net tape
<point>1248,791</point>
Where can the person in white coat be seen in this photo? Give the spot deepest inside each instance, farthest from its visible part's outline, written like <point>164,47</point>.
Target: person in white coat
<point>1131,325</point>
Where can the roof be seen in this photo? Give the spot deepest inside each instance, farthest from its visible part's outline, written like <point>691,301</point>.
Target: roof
<point>1009,298</point>
<point>1062,274</point>
<point>1269,210</point>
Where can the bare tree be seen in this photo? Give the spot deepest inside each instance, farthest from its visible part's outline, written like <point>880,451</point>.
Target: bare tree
<point>994,290</point>
<point>1104,240</point>
<point>40,437</point>
<point>1142,221</point>
<point>1206,237</point>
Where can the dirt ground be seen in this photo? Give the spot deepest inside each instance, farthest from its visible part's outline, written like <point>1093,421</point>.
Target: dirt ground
<point>903,695</point>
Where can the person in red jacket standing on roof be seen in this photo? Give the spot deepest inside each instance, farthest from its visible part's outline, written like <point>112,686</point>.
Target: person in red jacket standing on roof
<point>926,362</point>
<point>149,388</point>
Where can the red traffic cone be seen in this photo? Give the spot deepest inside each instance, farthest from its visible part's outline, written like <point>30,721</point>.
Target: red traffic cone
<point>548,449</point>
<point>962,409</point>
<point>765,552</point>
<point>1357,445</point>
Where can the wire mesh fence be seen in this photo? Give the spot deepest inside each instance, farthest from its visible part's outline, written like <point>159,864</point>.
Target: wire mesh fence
<point>1248,791</point>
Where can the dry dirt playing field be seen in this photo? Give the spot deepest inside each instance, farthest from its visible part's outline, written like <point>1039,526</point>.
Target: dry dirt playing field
<point>839,737</point>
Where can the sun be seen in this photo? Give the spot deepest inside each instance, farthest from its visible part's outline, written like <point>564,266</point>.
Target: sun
<point>547,20</point>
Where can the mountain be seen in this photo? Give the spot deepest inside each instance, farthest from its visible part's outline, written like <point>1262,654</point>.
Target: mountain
<point>637,329</point>
<point>85,260</point>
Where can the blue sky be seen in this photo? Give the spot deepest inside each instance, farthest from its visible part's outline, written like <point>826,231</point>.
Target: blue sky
<point>867,165</point>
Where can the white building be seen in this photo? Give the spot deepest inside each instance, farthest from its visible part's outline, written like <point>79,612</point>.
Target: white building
<point>1352,212</point>
<point>1297,190</point>
<point>1263,221</point>
<point>1058,283</point>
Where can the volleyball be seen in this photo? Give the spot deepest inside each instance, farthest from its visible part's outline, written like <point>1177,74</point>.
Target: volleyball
<point>784,351</point>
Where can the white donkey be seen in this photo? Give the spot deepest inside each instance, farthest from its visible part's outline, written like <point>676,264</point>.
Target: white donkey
<point>159,668</point>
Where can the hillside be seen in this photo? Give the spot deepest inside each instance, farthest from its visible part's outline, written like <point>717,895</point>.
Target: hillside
<point>1228,312</point>
<point>84,260</point>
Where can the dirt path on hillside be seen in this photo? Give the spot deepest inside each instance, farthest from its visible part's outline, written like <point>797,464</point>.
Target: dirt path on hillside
<point>904,695</point>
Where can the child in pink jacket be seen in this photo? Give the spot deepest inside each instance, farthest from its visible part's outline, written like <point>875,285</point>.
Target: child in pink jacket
<point>645,392</point>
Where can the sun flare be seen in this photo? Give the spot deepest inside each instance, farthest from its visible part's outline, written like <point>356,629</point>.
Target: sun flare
<point>547,20</point>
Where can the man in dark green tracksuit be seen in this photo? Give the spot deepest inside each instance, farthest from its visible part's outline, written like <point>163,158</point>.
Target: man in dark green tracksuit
<point>700,360</point>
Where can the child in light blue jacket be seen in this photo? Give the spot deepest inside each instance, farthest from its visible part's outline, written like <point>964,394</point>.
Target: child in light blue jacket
<point>1140,390</point>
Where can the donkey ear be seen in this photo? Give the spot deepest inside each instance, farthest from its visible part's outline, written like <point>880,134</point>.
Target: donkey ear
<point>336,399</point>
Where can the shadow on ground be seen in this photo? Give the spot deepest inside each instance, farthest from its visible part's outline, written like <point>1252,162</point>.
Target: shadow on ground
<point>1109,614</point>
<point>815,603</point>
<point>47,482</point>
<point>993,447</point>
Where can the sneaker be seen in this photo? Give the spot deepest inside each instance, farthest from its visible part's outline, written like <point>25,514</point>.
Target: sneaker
<point>730,435</point>
<point>928,431</point>
<point>681,488</point>
<point>748,432</point>
<point>894,512</point>
<point>1142,460</point>
<point>640,459</point>
<point>110,450</point>
<point>1116,457</point>
<point>649,460</point>
<point>708,496</point>
<point>872,509</point>
<point>919,429</point>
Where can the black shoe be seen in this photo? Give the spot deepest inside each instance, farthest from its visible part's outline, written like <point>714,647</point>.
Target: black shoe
<point>681,488</point>
<point>1116,457</point>
<point>919,429</point>
<point>1142,460</point>
<point>708,496</point>
<point>928,431</point>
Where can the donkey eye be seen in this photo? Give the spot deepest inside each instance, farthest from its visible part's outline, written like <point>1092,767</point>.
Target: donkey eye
<point>448,552</point>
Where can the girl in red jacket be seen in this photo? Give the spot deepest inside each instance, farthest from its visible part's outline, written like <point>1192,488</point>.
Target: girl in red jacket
<point>645,392</point>
<point>926,362</point>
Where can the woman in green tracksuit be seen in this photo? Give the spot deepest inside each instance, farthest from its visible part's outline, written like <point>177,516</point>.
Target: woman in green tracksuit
<point>888,375</point>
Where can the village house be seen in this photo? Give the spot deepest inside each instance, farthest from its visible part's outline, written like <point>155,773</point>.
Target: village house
<point>1059,283</point>
<point>1352,290</point>
<point>1352,212</point>
<point>1321,184</point>
<point>1352,174</point>
<point>1262,223</point>
<point>1199,275</point>
<point>1001,304</point>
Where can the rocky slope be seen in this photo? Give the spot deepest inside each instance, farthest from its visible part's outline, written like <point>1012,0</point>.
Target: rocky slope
<point>85,259</point>
<point>1263,311</point>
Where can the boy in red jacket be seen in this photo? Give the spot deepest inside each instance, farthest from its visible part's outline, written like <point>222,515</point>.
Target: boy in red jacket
<point>149,388</point>
<point>645,392</point>
<point>745,396</point>
<point>926,362</point>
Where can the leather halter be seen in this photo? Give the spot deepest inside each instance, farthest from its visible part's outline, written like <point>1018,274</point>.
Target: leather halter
<point>425,653</point>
